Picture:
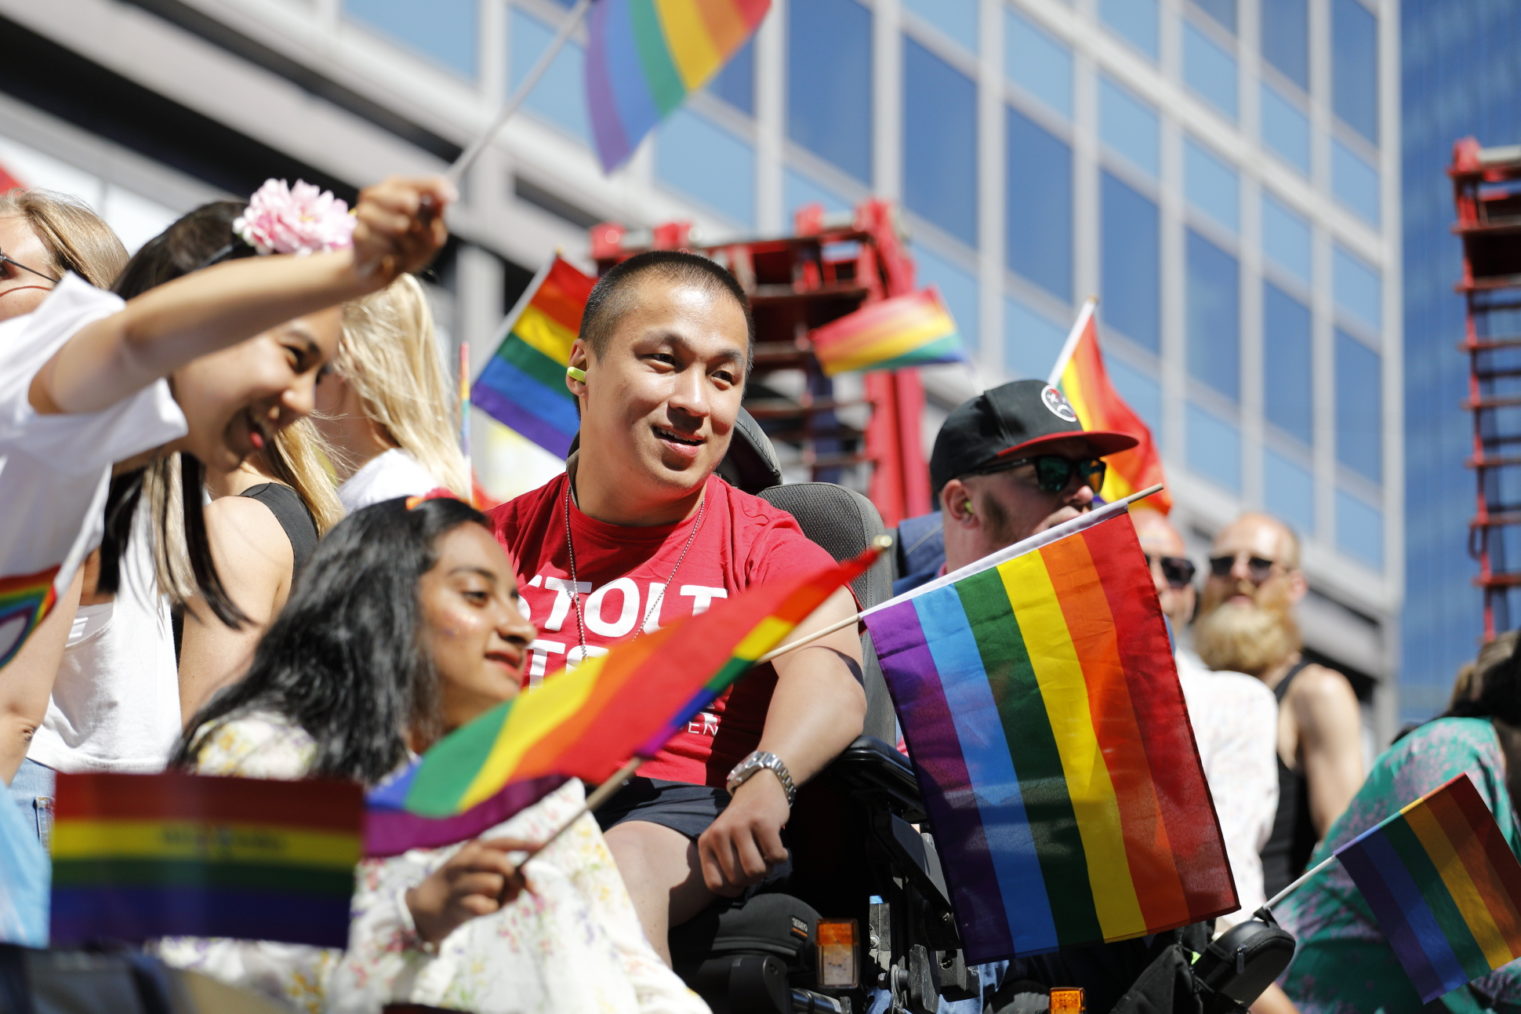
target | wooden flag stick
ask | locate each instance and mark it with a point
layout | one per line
(462, 164)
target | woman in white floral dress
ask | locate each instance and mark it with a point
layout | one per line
(404, 625)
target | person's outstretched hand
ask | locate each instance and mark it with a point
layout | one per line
(400, 225)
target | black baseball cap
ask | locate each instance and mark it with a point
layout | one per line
(1008, 420)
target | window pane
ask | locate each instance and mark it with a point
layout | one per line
(1286, 38)
(560, 96)
(705, 161)
(1129, 127)
(940, 153)
(1354, 182)
(1358, 291)
(956, 18)
(1031, 340)
(1038, 205)
(735, 81)
(1285, 129)
(445, 32)
(1141, 392)
(1354, 72)
(1288, 492)
(1359, 530)
(1131, 263)
(1214, 447)
(1214, 314)
(1209, 71)
(1135, 21)
(1359, 407)
(829, 56)
(1223, 11)
(1285, 238)
(1038, 62)
(800, 189)
(1288, 401)
(958, 288)
(1211, 185)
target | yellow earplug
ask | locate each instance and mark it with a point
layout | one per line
(575, 374)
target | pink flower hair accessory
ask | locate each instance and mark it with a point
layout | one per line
(298, 219)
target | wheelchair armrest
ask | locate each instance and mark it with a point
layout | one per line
(870, 767)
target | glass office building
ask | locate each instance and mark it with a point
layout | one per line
(1460, 78)
(1224, 174)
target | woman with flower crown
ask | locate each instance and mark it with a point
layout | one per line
(100, 397)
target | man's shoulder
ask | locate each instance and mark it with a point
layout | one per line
(1316, 682)
(524, 508)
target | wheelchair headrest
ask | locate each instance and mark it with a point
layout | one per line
(842, 521)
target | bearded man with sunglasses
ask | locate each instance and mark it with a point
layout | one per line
(1246, 623)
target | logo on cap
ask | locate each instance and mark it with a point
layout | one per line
(1058, 404)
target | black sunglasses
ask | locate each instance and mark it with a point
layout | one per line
(7, 259)
(1178, 571)
(1258, 568)
(1053, 472)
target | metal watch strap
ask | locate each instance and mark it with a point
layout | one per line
(758, 761)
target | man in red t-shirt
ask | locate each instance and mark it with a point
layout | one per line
(638, 532)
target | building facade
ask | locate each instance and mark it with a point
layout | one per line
(1224, 174)
(1459, 79)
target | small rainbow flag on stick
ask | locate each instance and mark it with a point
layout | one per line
(523, 386)
(141, 856)
(1042, 709)
(1444, 886)
(587, 721)
(912, 330)
(645, 56)
(1080, 375)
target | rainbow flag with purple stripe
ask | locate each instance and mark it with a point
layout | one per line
(523, 386)
(1042, 709)
(24, 600)
(1444, 886)
(893, 334)
(142, 856)
(645, 56)
(587, 721)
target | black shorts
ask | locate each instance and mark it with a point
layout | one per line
(688, 809)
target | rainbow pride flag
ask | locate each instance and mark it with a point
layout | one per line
(142, 856)
(523, 386)
(1444, 886)
(1041, 706)
(912, 330)
(24, 600)
(587, 721)
(645, 56)
(1080, 375)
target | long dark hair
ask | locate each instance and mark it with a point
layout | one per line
(174, 483)
(1495, 691)
(344, 659)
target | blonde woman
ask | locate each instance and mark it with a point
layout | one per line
(387, 407)
(263, 522)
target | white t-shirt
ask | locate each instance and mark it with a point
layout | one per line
(54, 469)
(116, 701)
(385, 477)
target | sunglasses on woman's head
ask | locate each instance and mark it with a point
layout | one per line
(1177, 571)
(1053, 472)
(7, 259)
(1258, 568)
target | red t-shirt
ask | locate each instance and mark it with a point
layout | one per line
(743, 541)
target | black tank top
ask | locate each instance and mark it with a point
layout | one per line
(1293, 838)
(285, 504)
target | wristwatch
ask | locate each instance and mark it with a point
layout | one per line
(762, 760)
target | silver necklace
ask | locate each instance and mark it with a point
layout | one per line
(655, 600)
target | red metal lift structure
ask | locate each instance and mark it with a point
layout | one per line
(827, 269)
(1487, 193)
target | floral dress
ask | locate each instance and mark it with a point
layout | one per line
(1343, 962)
(572, 942)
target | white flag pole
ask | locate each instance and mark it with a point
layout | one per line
(1070, 345)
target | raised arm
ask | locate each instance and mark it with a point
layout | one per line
(399, 228)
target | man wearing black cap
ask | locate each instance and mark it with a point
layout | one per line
(1013, 461)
